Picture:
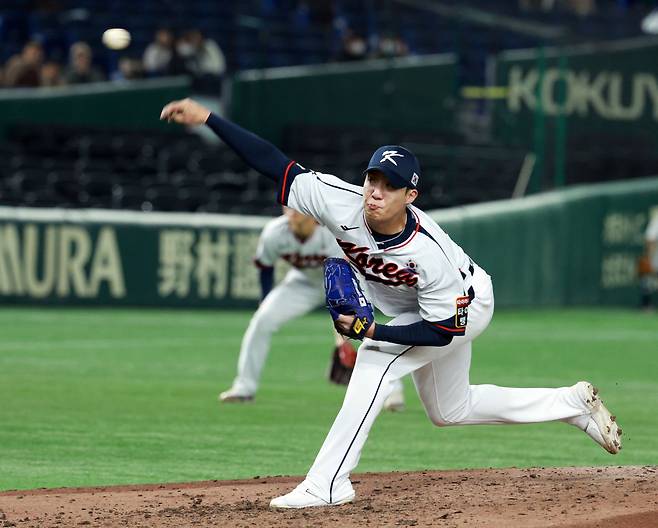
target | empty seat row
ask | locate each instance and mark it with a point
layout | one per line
(152, 171)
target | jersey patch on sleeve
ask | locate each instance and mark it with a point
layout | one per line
(461, 313)
(454, 325)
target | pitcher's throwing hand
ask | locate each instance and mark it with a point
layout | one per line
(185, 112)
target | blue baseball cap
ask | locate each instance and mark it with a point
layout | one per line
(398, 164)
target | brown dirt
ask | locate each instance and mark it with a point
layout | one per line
(619, 497)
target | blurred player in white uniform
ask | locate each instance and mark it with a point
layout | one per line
(441, 300)
(300, 241)
(649, 261)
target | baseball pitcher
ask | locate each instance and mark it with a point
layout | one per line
(439, 298)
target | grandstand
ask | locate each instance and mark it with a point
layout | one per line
(114, 167)
(270, 33)
(125, 169)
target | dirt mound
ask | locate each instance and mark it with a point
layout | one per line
(623, 497)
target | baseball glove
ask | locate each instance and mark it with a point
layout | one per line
(644, 266)
(342, 363)
(344, 297)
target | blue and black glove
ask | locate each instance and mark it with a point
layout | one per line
(345, 297)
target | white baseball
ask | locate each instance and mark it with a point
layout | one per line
(116, 38)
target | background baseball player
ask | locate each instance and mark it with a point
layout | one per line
(300, 241)
(440, 298)
(648, 266)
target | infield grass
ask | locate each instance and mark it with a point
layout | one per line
(109, 396)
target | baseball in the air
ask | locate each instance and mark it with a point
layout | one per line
(116, 38)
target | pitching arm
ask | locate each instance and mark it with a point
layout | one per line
(310, 194)
(259, 154)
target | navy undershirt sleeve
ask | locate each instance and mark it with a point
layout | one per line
(266, 280)
(418, 334)
(259, 154)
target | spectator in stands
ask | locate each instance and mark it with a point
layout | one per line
(392, 46)
(24, 69)
(81, 69)
(159, 55)
(130, 69)
(202, 56)
(354, 47)
(204, 60)
(51, 74)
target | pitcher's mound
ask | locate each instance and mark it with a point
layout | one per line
(607, 497)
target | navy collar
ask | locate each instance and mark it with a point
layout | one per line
(389, 241)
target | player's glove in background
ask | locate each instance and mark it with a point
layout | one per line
(345, 297)
(342, 363)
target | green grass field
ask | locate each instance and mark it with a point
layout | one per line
(93, 397)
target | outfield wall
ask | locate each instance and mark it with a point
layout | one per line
(573, 247)
(608, 87)
(128, 104)
(406, 93)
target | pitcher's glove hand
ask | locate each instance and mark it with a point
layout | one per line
(342, 363)
(344, 297)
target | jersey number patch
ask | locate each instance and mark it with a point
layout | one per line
(461, 314)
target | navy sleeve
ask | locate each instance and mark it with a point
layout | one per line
(266, 281)
(255, 151)
(259, 154)
(421, 333)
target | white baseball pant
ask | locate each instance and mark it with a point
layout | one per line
(295, 296)
(441, 376)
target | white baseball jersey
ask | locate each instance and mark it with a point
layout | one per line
(307, 257)
(420, 270)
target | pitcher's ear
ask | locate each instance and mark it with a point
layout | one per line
(411, 195)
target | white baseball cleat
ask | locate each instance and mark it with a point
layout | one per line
(602, 426)
(234, 396)
(303, 497)
(395, 401)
